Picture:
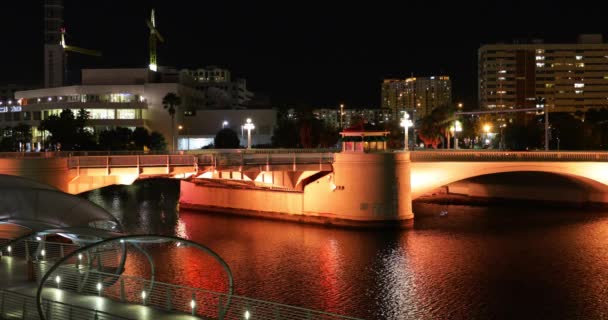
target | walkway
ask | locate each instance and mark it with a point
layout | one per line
(14, 276)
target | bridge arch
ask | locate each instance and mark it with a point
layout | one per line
(428, 176)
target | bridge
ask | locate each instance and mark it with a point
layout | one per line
(322, 185)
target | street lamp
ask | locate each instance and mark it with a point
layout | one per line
(406, 123)
(460, 105)
(341, 115)
(455, 128)
(486, 130)
(224, 124)
(249, 126)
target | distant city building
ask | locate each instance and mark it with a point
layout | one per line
(220, 91)
(113, 98)
(331, 116)
(569, 77)
(417, 95)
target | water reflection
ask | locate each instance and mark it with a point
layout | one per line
(474, 263)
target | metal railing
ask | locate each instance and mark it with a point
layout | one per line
(14, 305)
(174, 298)
(207, 159)
(478, 156)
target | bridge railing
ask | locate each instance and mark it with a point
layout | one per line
(206, 159)
(131, 161)
(14, 305)
(473, 156)
(175, 298)
(245, 159)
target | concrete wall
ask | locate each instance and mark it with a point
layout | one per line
(368, 186)
(51, 171)
(202, 196)
(363, 189)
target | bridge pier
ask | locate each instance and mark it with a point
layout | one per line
(363, 189)
(370, 187)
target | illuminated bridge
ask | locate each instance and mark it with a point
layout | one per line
(353, 186)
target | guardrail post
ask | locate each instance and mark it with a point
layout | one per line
(24, 309)
(27, 251)
(193, 305)
(122, 289)
(219, 308)
(2, 304)
(108, 165)
(320, 162)
(168, 298)
(168, 169)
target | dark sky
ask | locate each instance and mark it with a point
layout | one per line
(318, 53)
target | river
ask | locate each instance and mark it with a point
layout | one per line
(475, 262)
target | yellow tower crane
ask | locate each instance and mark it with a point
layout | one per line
(154, 34)
(67, 47)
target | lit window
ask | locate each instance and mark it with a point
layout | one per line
(502, 71)
(549, 85)
(502, 78)
(125, 114)
(580, 65)
(540, 57)
(579, 57)
(579, 85)
(578, 91)
(540, 64)
(101, 113)
(501, 92)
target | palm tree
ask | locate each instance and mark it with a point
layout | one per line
(170, 102)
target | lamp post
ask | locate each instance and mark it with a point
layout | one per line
(406, 123)
(341, 115)
(486, 130)
(224, 124)
(248, 126)
(456, 127)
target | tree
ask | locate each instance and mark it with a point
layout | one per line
(435, 126)
(226, 139)
(140, 137)
(157, 142)
(68, 130)
(170, 102)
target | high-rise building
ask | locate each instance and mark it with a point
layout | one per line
(54, 55)
(419, 95)
(567, 77)
(220, 91)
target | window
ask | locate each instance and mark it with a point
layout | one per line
(36, 115)
(97, 114)
(125, 114)
(579, 85)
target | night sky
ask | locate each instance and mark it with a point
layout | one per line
(296, 52)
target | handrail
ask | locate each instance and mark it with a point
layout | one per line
(492, 155)
(19, 304)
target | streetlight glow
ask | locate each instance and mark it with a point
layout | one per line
(249, 126)
(406, 123)
(224, 124)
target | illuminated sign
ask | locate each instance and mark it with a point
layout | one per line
(12, 109)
